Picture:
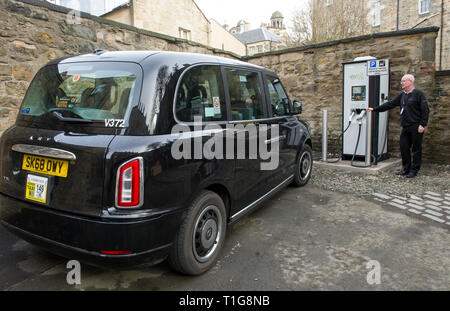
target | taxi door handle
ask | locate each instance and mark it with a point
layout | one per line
(269, 141)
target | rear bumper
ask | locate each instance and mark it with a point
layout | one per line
(83, 238)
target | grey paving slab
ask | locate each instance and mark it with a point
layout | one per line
(415, 206)
(434, 213)
(434, 207)
(433, 203)
(382, 196)
(434, 218)
(433, 193)
(397, 205)
(399, 197)
(416, 202)
(415, 197)
(433, 198)
(398, 201)
(414, 211)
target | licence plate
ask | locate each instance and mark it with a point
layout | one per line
(47, 166)
(36, 189)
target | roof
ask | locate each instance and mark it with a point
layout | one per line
(257, 35)
(117, 8)
(241, 22)
(277, 14)
(141, 56)
(115, 56)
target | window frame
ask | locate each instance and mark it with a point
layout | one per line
(182, 31)
(178, 85)
(228, 97)
(267, 115)
(420, 7)
(266, 90)
(28, 120)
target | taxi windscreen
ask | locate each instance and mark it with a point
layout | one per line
(91, 91)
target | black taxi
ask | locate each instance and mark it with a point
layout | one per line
(121, 158)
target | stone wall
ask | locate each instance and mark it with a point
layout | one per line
(441, 117)
(313, 74)
(33, 32)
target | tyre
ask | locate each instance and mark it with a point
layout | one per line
(201, 235)
(303, 168)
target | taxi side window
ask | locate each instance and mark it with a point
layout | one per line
(201, 95)
(245, 94)
(279, 101)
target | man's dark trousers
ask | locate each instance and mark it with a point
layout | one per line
(411, 136)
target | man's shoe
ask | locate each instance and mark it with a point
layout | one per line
(411, 174)
(402, 172)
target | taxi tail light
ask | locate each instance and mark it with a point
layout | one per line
(130, 184)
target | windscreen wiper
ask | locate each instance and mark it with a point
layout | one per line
(60, 117)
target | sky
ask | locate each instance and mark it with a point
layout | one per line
(253, 11)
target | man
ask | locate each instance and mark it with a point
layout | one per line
(414, 113)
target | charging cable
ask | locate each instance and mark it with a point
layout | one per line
(339, 158)
(372, 157)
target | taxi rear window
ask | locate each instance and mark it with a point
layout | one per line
(91, 91)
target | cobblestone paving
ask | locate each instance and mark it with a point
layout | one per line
(426, 196)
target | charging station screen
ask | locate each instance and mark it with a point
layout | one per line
(359, 93)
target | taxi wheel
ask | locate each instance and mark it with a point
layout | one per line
(201, 235)
(303, 168)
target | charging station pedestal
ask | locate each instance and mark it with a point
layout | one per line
(365, 84)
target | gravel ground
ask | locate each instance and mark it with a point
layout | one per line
(431, 177)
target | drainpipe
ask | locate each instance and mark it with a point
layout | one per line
(132, 16)
(398, 12)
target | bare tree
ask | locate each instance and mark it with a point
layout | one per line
(319, 22)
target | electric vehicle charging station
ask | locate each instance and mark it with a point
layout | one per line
(365, 84)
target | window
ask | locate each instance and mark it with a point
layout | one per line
(278, 98)
(260, 48)
(329, 2)
(185, 34)
(200, 94)
(94, 91)
(424, 6)
(245, 94)
(376, 13)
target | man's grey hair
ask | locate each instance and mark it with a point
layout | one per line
(409, 77)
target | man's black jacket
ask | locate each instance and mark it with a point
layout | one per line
(413, 106)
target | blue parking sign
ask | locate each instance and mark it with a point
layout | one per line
(373, 64)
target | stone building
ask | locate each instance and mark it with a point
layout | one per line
(240, 27)
(393, 15)
(268, 37)
(259, 40)
(177, 18)
(278, 27)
